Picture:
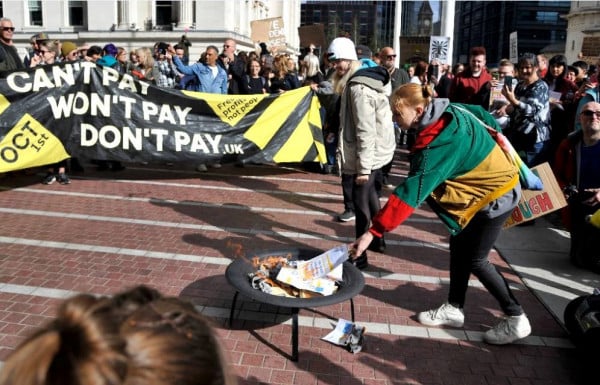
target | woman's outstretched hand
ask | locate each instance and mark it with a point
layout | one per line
(360, 245)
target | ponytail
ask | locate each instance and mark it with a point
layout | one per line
(412, 94)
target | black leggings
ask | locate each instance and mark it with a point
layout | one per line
(469, 252)
(366, 202)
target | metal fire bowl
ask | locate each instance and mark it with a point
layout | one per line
(237, 275)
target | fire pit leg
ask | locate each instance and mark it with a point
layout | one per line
(294, 334)
(233, 307)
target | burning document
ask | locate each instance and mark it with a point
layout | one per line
(291, 276)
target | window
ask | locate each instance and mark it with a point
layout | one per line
(317, 16)
(35, 12)
(163, 13)
(547, 17)
(76, 13)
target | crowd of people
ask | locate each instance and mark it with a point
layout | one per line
(548, 109)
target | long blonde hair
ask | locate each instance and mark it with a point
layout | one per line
(339, 82)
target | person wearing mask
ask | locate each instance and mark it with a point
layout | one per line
(468, 181)
(472, 86)
(9, 57)
(366, 135)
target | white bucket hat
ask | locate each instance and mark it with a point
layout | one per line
(341, 48)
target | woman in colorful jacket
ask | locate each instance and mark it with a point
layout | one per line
(471, 185)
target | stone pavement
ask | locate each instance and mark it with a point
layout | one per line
(172, 228)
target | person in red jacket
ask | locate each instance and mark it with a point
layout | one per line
(472, 86)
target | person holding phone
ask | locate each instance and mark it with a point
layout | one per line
(504, 74)
(529, 112)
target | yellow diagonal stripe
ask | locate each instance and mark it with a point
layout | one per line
(269, 122)
(229, 108)
(4, 104)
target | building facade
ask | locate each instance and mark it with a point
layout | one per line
(138, 23)
(366, 22)
(583, 33)
(539, 24)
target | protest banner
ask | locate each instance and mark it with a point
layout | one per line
(80, 109)
(270, 31)
(534, 204)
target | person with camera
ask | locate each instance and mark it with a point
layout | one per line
(577, 172)
(529, 112)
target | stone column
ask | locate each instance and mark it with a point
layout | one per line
(186, 17)
(397, 31)
(128, 14)
(448, 9)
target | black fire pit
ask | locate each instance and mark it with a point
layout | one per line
(237, 275)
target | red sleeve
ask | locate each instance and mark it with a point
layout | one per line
(390, 216)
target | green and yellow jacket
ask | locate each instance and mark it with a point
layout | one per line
(456, 166)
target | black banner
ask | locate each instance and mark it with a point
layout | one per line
(79, 109)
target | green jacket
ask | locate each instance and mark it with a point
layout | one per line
(456, 166)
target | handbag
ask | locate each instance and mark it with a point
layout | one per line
(527, 178)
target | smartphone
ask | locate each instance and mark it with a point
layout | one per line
(496, 75)
(508, 80)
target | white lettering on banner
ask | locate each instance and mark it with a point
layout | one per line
(39, 79)
(164, 113)
(132, 138)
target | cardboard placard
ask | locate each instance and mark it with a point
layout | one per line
(312, 34)
(534, 204)
(269, 31)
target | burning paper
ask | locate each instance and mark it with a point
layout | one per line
(292, 277)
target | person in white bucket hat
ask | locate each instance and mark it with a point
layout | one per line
(366, 134)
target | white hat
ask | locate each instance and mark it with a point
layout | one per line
(341, 48)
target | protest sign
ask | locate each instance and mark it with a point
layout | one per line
(80, 109)
(534, 204)
(270, 31)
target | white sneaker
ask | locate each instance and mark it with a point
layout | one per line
(510, 329)
(201, 167)
(443, 315)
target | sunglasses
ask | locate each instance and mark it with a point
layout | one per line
(590, 113)
(391, 57)
(226, 46)
(6, 29)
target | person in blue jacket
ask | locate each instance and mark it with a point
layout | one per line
(212, 78)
